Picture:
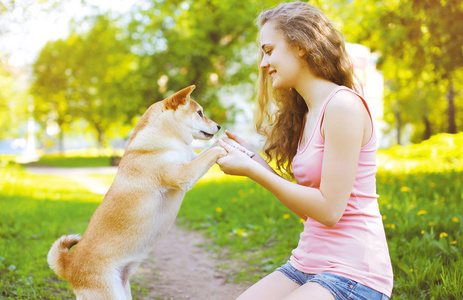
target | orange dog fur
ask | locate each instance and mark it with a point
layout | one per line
(158, 167)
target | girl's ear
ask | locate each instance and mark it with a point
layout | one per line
(302, 52)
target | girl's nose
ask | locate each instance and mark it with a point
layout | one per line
(264, 63)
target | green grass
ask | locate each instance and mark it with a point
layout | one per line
(245, 218)
(35, 210)
(420, 187)
(74, 161)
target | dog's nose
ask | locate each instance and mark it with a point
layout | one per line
(218, 127)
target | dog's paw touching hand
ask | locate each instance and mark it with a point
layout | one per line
(222, 151)
(235, 145)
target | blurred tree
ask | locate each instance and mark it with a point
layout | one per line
(13, 100)
(14, 80)
(85, 77)
(209, 43)
(420, 43)
(51, 87)
(116, 70)
(101, 61)
(442, 29)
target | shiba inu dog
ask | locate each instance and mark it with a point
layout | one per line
(157, 168)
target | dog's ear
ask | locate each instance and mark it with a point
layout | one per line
(179, 98)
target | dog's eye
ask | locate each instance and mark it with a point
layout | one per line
(200, 113)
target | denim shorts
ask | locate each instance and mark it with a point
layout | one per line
(341, 287)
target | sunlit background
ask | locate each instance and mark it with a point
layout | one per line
(77, 74)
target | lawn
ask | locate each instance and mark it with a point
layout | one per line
(34, 211)
(420, 187)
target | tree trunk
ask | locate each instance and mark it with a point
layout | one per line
(452, 126)
(100, 137)
(61, 138)
(399, 126)
(427, 127)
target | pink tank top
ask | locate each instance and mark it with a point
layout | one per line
(356, 246)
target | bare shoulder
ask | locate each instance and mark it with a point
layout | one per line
(345, 115)
(347, 104)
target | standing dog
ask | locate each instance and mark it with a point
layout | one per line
(158, 167)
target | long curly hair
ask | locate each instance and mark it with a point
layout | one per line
(280, 113)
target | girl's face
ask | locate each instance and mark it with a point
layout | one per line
(282, 62)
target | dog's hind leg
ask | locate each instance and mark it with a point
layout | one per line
(128, 292)
(107, 287)
(105, 293)
(118, 287)
(125, 278)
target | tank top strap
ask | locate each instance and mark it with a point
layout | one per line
(321, 115)
(344, 88)
(319, 120)
(341, 88)
(336, 90)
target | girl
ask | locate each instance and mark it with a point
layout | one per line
(322, 134)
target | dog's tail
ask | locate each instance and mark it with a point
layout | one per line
(57, 255)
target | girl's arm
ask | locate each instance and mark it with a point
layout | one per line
(343, 128)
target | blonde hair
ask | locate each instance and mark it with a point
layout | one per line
(304, 26)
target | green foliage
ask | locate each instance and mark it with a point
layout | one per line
(109, 74)
(112, 73)
(211, 44)
(86, 77)
(421, 58)
(13, 101)
(442, 152)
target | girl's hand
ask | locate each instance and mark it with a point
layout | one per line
(257, 158)
(235, 162)
(239, 140)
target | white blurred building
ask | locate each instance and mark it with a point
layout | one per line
(372, 84)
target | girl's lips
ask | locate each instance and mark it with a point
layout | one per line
(271, 73)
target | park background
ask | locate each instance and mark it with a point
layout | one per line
(75, 76)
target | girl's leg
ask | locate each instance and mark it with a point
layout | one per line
(274, 286)
(312, 291)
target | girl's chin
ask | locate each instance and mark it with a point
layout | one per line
(277, 86)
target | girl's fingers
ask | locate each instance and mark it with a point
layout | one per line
(237, 139)
(226, 146)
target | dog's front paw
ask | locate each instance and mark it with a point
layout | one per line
(221, 152)
(236, 145)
